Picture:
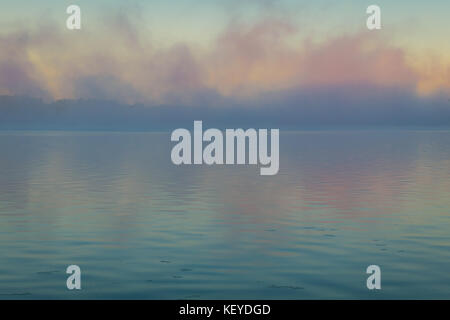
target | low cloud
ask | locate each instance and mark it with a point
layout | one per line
(245, 62)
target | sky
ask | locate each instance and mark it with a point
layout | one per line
(220, 53)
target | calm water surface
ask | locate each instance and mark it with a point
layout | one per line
(141, 228)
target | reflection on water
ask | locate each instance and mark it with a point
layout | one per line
(140, 227)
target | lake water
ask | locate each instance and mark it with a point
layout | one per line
(141, 228)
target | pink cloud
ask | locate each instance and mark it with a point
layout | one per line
(245, 60)
(356, 59)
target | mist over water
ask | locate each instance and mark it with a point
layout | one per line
(140, 227)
